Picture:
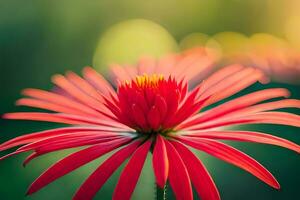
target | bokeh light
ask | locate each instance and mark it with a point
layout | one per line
(126, 42)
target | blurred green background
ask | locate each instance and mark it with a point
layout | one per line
(41, 38)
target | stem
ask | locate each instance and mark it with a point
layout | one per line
(161, 193)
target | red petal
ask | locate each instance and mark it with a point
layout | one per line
(33, 137)
(154, 118)
(286, 103)
(98, 81)
(160, 162)
(200, 177)
(161, 105)
(30, 158)
(131, 173)
(275, 118)
(281, 118)
(172, 103)
(247, 136)
(60, 142)
(187, 112)
(233, 156)
(139, 116)
(60, 100)
(185, 106)
(74, 91)
(146, 65)
(73, 162)
(70, 88)
(247, 100)
(10, 154)
(182, 64)
(120, 74)
(223, 85)
(69, 137)
(83, 85)
(67, 144)
(219, 76)
(97, 179)
(200, 69)
(51, 144)
(178, 175)
(49, 106)
(235, 84)
(61, 118)
(237, 104)
(89, 91)
(132, 71)
(166, 64)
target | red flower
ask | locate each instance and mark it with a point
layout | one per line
(153, 109)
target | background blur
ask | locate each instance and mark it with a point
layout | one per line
(41, 38)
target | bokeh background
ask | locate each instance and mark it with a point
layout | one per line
(41, 38)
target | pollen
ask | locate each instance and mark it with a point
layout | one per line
(148, 80)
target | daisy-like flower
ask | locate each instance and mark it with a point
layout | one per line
(153, 110)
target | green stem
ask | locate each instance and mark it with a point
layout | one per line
(161, 193)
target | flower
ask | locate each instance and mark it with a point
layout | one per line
(153, 109)
(275, 56)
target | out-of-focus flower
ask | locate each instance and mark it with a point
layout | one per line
(153, 109)
(275, 56)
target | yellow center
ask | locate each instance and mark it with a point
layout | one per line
(146, 81)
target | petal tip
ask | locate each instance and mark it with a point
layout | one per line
(5, 116)
(56, 77)
(29, 192)
(87, 69)
(276, 186)
(25, 91)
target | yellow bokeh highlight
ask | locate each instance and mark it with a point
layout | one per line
(233, 45)
(126, 42)
(194, 40)
(292, 30)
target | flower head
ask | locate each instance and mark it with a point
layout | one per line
(153, 110)
(146, 103)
